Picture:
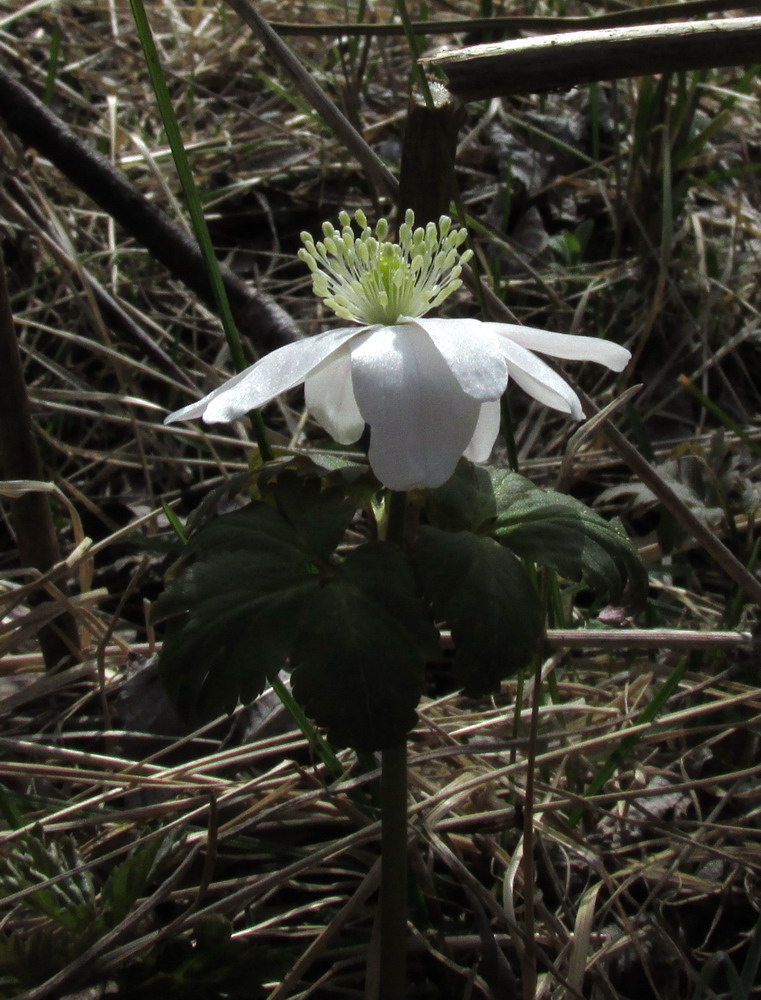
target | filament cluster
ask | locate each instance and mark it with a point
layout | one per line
(370, 280)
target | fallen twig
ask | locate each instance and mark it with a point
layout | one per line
(260, 316)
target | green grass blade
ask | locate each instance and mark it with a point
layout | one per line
(309, 732)
(8, 810)
(194, 204)
(177, 526)
(50, 77)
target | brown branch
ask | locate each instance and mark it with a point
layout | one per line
(427, 167)
(30, 514)
(558, 62)
(267, 324)
(647, 638)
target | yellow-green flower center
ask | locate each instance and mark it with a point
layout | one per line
(372, 281)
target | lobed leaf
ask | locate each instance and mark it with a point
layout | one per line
(318, 517)
(484, 593)
(232, 607)
(263, 586)
(358, 666)
(551, 529)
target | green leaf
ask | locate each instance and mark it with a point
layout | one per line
(551, 529)
(323, 460)
(35, 861)
(318, 517)
(559, 531)
(358, 664)
(130, 879)
(466, 501)
(486, 597)
(263, 585)
(231, 610)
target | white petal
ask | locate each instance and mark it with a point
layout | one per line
(193, 410)
(420, 419)
(330, 398)
(487, 428)
(540, 381)
(275, 373)
(565, 345)
(473, 353)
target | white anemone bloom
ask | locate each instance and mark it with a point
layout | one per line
(429, 389)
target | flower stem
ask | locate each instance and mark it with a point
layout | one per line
(395, 527)
(393, 896)
(393, 900)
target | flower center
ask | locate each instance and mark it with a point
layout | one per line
(372, 281)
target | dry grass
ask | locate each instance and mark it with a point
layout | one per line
(646, 802)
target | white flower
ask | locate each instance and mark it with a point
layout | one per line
(428, 388)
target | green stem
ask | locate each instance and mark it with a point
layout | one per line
(393, 897)
(393, 900)
(395, 527)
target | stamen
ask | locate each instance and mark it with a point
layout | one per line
(372, 281)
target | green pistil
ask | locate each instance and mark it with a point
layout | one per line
(370, 280)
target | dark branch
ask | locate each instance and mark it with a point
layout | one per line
(266, 323)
